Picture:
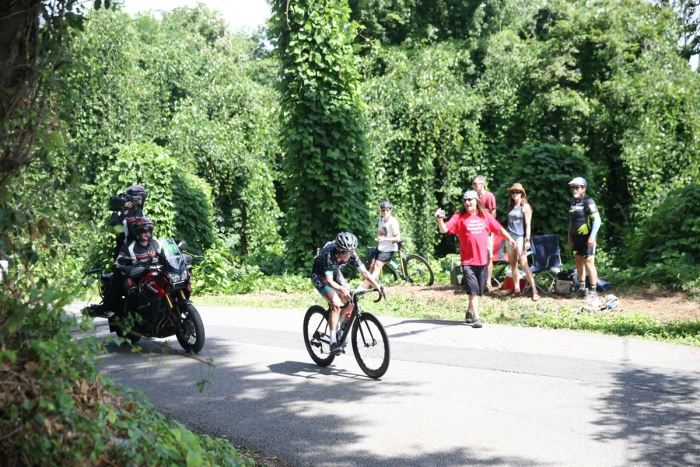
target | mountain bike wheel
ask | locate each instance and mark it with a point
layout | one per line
(370, 345)
(317, 336)
(388, 276)
(419, 271)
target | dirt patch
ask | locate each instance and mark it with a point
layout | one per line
(663, 305)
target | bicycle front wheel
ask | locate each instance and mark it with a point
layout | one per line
(418, 270)
(317, 336)
(370, 345)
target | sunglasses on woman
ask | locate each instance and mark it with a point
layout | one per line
(516, 192)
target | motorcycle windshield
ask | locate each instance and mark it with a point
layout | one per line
(175, 263)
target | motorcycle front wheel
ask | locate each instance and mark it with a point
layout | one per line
(189, 328)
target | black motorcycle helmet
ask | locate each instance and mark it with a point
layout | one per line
(142, 225)
(136, 191)
(346, 241)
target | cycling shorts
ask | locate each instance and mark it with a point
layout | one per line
(321, 283)
(581, 247)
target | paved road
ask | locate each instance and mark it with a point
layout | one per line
(453, 395)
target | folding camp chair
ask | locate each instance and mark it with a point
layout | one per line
(499, 259)
(547, 260)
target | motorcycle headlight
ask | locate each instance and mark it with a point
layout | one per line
(175, 278)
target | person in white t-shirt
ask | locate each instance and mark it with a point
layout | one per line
(388, 236)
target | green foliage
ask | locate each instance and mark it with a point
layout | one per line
(325, 163)
(179, 204)
(544, 171)
(426, 145)
(221, 272)
(58, 410)
(190, 87)
(670, 234)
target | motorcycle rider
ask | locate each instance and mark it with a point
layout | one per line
(142, 250)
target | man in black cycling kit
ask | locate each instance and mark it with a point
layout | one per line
(584, 222)
(330, 283)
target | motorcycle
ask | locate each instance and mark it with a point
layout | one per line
(164, 307)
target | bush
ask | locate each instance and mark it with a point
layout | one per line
(56, 409)
(670, 234)
(179, 203)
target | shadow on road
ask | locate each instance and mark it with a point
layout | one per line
(658, 415)
(304, 421)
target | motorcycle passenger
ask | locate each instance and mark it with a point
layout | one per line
(137, 194)
(118, 225)
(122, 221)
(328, 279)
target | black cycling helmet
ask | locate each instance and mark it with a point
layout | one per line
(385, 205)
(137, 190)
(346, 241)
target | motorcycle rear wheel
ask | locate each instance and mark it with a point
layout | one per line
(121, 332)
(189, 329)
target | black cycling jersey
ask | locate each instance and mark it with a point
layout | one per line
(327, 261)
(581, 215)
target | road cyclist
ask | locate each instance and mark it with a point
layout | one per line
(329, 281)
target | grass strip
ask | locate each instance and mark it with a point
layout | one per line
(516, 313)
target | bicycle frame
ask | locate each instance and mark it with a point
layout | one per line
(355, 315)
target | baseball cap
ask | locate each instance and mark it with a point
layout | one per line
(470, 194)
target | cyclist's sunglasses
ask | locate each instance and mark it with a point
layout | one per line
(344, 252)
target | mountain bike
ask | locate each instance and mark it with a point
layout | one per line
(413, 269)
(370, 343)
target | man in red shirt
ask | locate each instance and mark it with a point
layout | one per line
(472, 224)
(488, 201)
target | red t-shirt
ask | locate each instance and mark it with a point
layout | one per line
(488, 200)
(473, 232)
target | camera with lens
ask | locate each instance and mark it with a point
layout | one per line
(117, 203)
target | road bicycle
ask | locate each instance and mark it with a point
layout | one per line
(370, 343)
(413, 269)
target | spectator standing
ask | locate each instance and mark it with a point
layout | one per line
(472, 225)
(488, 201)
(519, 227)
(584, 222)
(388, 237)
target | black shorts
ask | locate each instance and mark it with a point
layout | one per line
(581, 247)
(383, 256)
(474, 279)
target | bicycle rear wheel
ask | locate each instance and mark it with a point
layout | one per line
(317, 336)
(419, 271)
(370, 345)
